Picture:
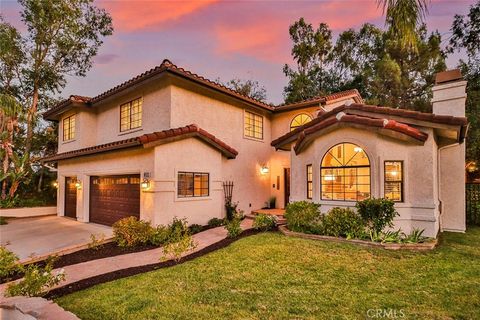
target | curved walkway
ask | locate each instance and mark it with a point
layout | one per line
(89, 269)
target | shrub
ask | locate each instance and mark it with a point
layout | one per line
(302, 215)
(377, 213)
(159, 235)
(233, 227)
(96, 243)
(216, 222)
(231, 209)
(179, 240)
(130, 232)
(264, 222)
(416, 236)
(342, 222)
(195, 228)
(37, 281)
(8, 263)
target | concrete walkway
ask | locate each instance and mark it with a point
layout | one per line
(97, 267)
(38, 237)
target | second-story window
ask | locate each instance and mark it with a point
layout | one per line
(69, 128)
(253, 125)
(131, 115)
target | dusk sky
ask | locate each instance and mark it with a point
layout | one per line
(221, 39)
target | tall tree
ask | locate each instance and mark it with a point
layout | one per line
(62, 38)
(249, 88)
(466, 37)
(403, 17)
(310, 50)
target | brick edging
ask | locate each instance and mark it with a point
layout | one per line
(388, 246)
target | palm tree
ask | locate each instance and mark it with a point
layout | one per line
(403, 17)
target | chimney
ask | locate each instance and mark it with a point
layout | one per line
(449, 93)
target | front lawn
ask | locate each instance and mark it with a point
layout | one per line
(270, 276)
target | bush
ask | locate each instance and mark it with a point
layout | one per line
(416, 236)
(179, 240)
(233, 227)
(343, 222)
(377, 213)
(231, 209)
(215, 222)
(264, 222)
(8, 263)
(37, 281)
(96, 243)
(130, 232)
(302, 215)
(195, 228)
(159, 235)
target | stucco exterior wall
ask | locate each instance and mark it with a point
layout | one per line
(420, 206)
(133, 161)
(190, 155)
(226, 121)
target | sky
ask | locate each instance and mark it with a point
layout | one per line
(222, 39)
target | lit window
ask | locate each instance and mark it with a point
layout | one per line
(69, 128)
(253, 125)
(309, 182)
(394, 180)
(193, 184)
(299, 121)
(345, 173)
(131, 115)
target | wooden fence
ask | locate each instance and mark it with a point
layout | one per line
(473, 203)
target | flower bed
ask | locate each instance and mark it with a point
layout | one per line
(389, 246)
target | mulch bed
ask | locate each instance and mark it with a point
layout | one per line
(87, 283)
(109, 249)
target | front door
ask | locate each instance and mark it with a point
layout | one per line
(286, 176)
(70, 198)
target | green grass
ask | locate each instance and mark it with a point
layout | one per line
(270, 276)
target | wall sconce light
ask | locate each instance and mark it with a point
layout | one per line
(78, 184)
(264, 170)
(55, 184)
(145, 184)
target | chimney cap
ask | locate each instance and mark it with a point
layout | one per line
(448, 76)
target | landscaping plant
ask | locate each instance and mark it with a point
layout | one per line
(159, 235)
(416, 236)
(96, 243)
(342, 222)
(3, 221)
(231, 209)
(179, 240)
(195, 228)
(377, 213)
(37, 280)
(264, 222)
(8, 263)
(301, 216)
(233, 227)
(130, 232)
(216, 222)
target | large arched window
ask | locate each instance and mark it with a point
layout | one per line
(299, 121)
(345, 173)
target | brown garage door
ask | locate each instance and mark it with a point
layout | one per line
(114, 197)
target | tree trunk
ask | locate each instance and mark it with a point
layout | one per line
(32, 112)
(40, 181)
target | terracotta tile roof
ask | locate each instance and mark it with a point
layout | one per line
(191, 130)
(166, 66)
(375, 112)
(150, 140)
(321, 100)
(342, 119)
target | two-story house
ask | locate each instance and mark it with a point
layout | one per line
(163, 143)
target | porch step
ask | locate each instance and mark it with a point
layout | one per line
(280, 219)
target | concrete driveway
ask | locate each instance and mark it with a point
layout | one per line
(41, 236)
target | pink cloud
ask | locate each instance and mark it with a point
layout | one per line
(138, 15)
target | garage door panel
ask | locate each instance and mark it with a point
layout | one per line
(114, 197)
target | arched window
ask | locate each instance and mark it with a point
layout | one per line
(345, 173)
(299, 121)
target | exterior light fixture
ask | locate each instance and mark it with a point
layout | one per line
(78, 184)
(55, 184)
(145, 184)
(264, 170)
(357, 149)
